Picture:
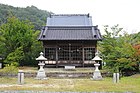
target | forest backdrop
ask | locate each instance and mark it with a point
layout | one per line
(19, 29)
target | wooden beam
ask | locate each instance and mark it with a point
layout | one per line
(83, 54)
(56, 56)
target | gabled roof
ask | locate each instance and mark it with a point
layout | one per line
(70, 27)
(69, 20)
(70, 33)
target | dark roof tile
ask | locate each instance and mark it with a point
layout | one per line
(70, 27)
(70, 33)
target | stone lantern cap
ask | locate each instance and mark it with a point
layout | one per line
(41, 57)
(96, 58)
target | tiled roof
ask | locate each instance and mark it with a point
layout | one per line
(70, 27)
(70, 33)
(69, 20)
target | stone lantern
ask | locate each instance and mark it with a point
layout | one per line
(97, 73)
(41, 72)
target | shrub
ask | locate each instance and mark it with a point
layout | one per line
(9, 69)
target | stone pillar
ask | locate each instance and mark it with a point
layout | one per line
(20, 77)
(0, 65)
(97, 74)
(116, 77)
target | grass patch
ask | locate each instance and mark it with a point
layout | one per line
(9, 69)
(131, 83)
(28, 69)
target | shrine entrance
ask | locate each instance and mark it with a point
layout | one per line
(63, 53)
(71, 54)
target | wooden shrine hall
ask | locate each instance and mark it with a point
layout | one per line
(69, 39)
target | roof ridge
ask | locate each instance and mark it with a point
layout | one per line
(77, 26)
(70, 15)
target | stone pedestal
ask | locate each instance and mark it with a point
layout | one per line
(41, 72)
(97, 74)
(116, 77)
(0, 65)
(20, 77)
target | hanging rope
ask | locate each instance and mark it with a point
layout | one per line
(70, 50)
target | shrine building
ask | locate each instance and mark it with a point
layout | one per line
(69, 39)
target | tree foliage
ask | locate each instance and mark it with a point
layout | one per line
(18, 40)
(35, 15)
(15, 57)
(118, 50)
(19, 36)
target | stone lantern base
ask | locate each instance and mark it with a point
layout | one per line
(41, 75)
(97, 73)
(41, 72)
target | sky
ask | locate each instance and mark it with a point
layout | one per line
(126, 13)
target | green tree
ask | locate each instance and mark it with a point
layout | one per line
(117, 50)
(17, 41)
(15, 57)
(32, 13)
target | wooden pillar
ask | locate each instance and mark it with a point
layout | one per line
(44, 51)
(70, 54)
(56, 56)
(95, 47)
(83, 55)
